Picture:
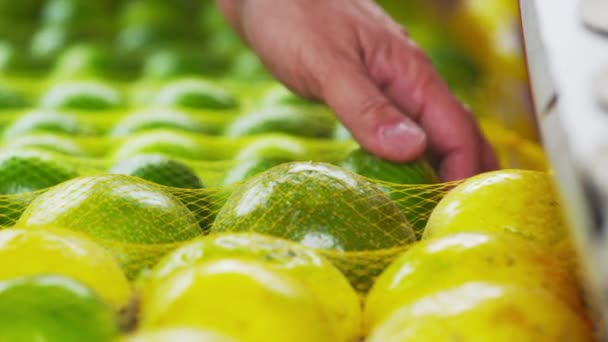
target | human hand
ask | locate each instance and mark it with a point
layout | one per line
(354, 57)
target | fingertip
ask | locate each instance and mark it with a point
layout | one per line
(401, 141)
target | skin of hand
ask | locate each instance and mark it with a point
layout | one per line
(354, 57)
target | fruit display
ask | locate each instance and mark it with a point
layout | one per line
(156, 184)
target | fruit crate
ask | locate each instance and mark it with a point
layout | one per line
(156, 184)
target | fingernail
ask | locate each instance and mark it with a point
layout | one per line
(403, 134)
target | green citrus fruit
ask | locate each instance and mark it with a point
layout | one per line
(50, 142)
(83, 60)
(249, 300)
(279, 95)
(320, 206)
(49, 122)
(165, 171)
(308, 121)
(87, 95)
(166, 142)
(416, 203)
(134, 219)
(11, 98)
(25, 171)
(195, 93)
(273, 147)
(246, 169)
(154, 119)
(52, 250)
(53, 308)
(332, 290)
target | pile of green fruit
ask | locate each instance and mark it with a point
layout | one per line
(157, 185)
(291, 256)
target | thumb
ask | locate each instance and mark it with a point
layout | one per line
(373, 120)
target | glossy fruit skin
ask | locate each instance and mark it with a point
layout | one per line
(327, 284)
(307, 121)
(155, 119)
(165, 142)
(53, 308)
(30, 170)
(273, 147)
(83, 95)
(318, 205)
(178, 334)
(195, 94)
(249, 168)
(244, 298)
(323, 207)
(162, 170)
(136, 220)
(416, 203)
(159, 169)
(25, 171)
(51, 250)
(49, 122)
(452, 260)
(481, 311)
(523, 202)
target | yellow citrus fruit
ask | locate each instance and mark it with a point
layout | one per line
(25, 252)
(247, 299)
(460, 258)
(524, 202)
(180, 334)
(481, 312)
(330, 287)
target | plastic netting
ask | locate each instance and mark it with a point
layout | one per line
(360, 224)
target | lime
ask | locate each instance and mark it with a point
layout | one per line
(307, 121)
(247, 299)
(134, 219)
(52, 250)
(273, 147)
(87, 95)
(11, 98)
(249, 168)
(46, 142)
(176, 61)
(415, 202)
(25, 171)
(280, 95)
(30, 170)
(159, 169)
(195, 93)
(332, 290)
(165, 142)
(480, 311)
(156, 118)
(47, 121)
(318, 205)
(163, 170)
(53, 308)
(83, 60)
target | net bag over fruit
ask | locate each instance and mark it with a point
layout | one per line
(353, 219)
